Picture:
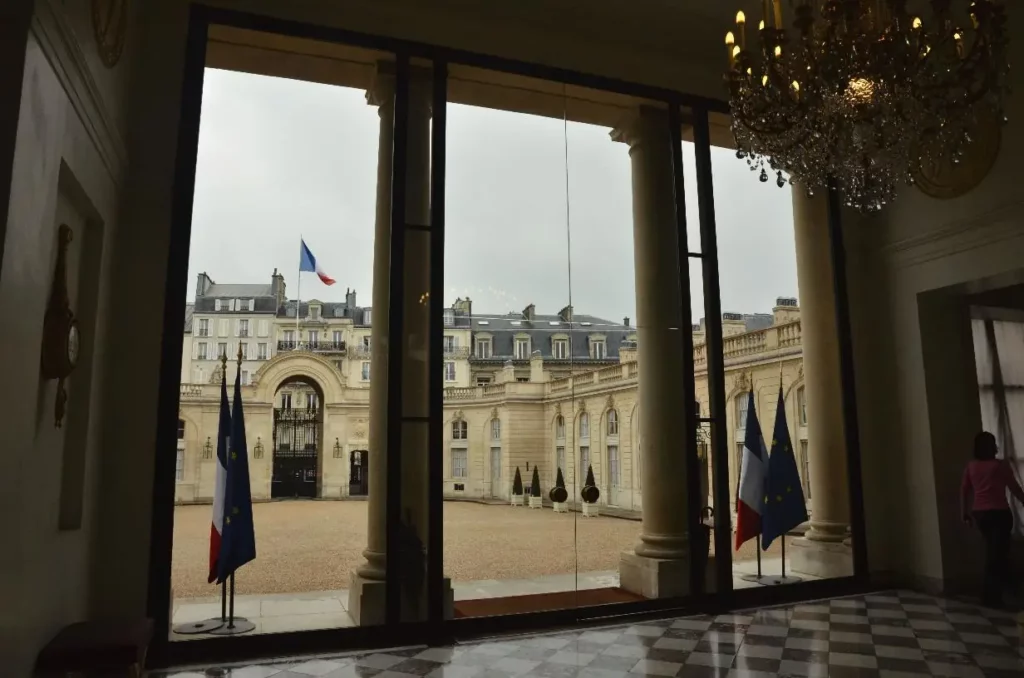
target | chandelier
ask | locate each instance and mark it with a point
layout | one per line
(863, 91)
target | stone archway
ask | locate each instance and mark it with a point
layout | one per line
(297, 441)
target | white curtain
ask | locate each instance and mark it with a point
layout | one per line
(999, 357)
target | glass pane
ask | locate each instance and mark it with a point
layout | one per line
(276, 153)
(509, 534)
(772, 256)
(626, 297)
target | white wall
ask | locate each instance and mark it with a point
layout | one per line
(915, 430)
(66, 170)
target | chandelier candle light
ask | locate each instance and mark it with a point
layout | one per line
(863, 91)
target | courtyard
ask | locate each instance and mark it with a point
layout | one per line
(307, 546)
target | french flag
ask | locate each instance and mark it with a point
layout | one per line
(307, 262)
(220, 481)
(750, 500)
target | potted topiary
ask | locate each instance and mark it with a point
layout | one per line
(559, 495)
(590, 494)
(536, 501)
(517, 489)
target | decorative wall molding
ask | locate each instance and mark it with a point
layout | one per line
(981, 230)
(57, 39)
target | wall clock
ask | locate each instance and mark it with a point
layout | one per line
(945, 180)
(109, 26)
(61, 342)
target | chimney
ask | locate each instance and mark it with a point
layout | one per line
(627, 352)
(566, 314)
(529, 312)
(463, 307)
(786, 311)
(537, 373)
(203, 285)
(507, 374)
(733, 323)
(625, 321)
(277, 289)
(350, 300)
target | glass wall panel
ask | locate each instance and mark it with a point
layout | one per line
(510, 421)
(781, 375)
(282, 293)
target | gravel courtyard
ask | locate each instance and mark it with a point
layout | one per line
(314, 545)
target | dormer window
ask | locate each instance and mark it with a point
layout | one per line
(449, 317)
(366, 317)
(598, 348)
(314, 312)
(560, 347)
(522, 348)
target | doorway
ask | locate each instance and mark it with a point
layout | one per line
(358, 473)
(296, 452)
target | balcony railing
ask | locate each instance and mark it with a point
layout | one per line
(312, 346)
(456, 353)
(191, 391)
(360, 353)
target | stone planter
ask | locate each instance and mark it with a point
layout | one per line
(560, 506)
(517, 500)
(536, 502)
(590, 510)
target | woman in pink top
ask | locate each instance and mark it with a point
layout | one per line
(983, 500)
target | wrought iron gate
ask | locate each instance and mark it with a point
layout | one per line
(296, 451)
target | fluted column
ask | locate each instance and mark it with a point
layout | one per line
(821, 552)
(659, 564)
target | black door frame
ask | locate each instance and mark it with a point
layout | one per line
(435, 628)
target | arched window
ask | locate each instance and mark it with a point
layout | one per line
(495, 429)
(584, 425)
(613, 423)
(460, 431)
(801, 404)
(560, 427)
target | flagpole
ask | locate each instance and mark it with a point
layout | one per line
(298, 295)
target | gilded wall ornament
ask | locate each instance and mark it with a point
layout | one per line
(944, 179)
(110, 27)
(61, 341)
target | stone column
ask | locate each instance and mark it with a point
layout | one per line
(822, 551)
(366, 591)
(659, 565)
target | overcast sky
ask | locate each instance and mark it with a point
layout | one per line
(279, 158)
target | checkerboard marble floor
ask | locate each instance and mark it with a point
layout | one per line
(896, 634)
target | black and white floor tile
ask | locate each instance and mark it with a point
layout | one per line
(893, 635)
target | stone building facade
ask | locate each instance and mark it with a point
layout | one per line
(521, 390)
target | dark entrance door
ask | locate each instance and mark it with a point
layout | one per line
(296, 445)
(358, 477)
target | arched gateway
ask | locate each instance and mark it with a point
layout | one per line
(300, 385)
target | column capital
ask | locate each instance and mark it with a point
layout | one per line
(640, 124)
(381, 91)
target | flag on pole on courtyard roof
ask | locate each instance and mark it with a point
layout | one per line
(238, 542)
(784, 503)
(220, 481)
(750, 497)
(307, 262)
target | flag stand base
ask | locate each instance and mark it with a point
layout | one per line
(233, 628)
(752, 577)
(192, 628)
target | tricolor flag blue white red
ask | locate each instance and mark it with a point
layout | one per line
(238, 545)
(784, 503)
(750, 497)
(220, 481)
(307, 262)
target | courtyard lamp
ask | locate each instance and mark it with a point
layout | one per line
(257, 450)
(208, 449)
(337, 449)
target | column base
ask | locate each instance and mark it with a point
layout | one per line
(367, 600)
(654, 577)
(822, 559)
